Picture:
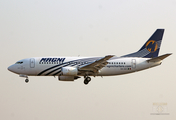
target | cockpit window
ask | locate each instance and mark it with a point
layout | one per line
(19, 62)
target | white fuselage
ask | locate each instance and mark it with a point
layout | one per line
(72, 68)
(51, 66)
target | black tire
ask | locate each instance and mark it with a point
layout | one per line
(86, 82)
(26, 80)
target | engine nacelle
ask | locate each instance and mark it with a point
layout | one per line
(70, 71)
(66, 78)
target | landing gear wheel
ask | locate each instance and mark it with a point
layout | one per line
(26, 80)
(87, 80)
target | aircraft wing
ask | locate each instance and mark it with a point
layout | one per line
(97, 65)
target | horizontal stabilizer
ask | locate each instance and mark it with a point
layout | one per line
(159, 58)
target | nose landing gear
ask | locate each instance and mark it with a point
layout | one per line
(26, 80)
(87, 80)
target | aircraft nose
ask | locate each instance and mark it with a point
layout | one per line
(11, 68)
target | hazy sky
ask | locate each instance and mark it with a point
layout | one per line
(34, 28)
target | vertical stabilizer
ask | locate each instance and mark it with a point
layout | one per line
(151, 48)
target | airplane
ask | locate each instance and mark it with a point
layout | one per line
(73, 68)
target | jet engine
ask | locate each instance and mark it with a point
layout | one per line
(69, 71)
(66, 78)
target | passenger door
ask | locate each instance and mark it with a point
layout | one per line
(32, 62)
(133, 63)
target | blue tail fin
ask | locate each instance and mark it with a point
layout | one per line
(151, 48)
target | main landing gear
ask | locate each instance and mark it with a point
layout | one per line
(87, 80)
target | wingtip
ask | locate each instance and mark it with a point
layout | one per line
(110, 55)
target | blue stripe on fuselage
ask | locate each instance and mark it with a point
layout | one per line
(79, 60)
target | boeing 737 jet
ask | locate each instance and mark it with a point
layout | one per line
(72, 68)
